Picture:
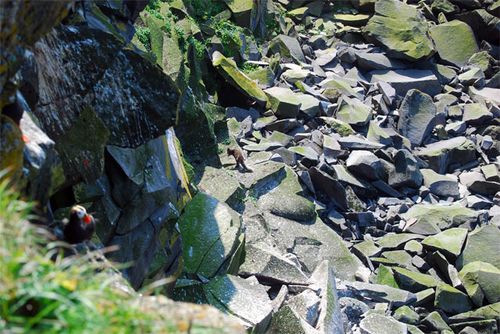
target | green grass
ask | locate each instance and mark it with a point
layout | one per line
(43, 292)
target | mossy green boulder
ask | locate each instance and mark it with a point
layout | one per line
(211, 233)
(454, 41)
(431, 218)
(414, 281)
(449, 242)
(353, 111)
(241, 10)
(481, 280)
(284, 102)
(401, 28)
(228, 69)
(482, 245)
(451, 300)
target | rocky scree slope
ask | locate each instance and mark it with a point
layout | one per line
(372, 131)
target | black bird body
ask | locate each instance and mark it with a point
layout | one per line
(80, 227)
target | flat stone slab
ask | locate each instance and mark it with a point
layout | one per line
(375, 323)
(429, 219)
(284, 102)
(268, 264)
(448, 242)
(454, 41)
(382, 293)
(404, 80)
(228, 69)
(243, 298)
(416, 116)
(211, 231)
(482, 245)
(210, 183)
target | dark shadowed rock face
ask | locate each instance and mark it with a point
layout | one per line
(24, 23)
(93, 92)
(80, 67)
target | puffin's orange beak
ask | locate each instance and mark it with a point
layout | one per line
(87, 219)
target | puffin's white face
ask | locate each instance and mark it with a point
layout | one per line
(80, 211)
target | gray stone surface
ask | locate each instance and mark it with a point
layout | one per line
(416, 116)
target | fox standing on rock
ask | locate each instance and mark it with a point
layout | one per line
(240, 159)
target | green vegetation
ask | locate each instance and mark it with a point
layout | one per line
(43, 292)
(202, 10)
(249, 68)
(229, 35)
(144, 36)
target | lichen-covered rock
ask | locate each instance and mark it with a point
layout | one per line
(375, 323)
(212, 233)
(242, 11)
(481, 280)
(149, 189)
(245, 299)
(441, 185)
(269, 265)
(329, 318)
(284, 102)
(353, 111)
(401, 28)
(232, 192)
(429, 219)
(406, 79)
(451, 300)
(448, 242)
(287, 46)
(445, 155)
(481, 242)
(414, 281)
(454, 41)
(228, 69)
(382, 293)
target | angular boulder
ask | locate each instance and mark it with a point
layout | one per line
(212, 234)
(284, 102)
(228, 69)
(244, 299)
(455, 42)
(287, 46)
(404, 80)
(416, 116)
(481, 280)
(401, 28)
(448, 242)
(482, 245)
(429, 219)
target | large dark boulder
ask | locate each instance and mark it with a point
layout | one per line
(94, 90)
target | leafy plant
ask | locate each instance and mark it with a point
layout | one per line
(202, 10)
(144, 36)
(229, 35)
(249, 67)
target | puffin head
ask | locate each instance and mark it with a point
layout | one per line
(81, 214)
